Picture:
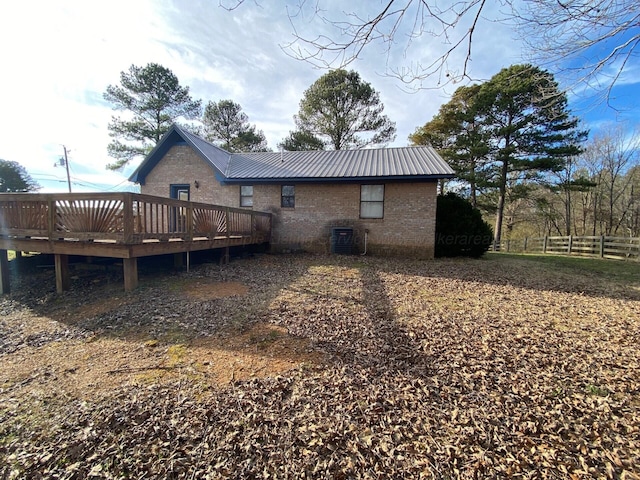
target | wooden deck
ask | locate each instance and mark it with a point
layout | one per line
(119, 225)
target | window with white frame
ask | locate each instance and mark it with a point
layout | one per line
(371, 201)
(246, 195)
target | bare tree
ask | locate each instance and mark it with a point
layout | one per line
(589, 44)
(632, 223)
(591, 41)
(612, 155)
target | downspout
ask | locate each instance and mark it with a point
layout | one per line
(366, 235)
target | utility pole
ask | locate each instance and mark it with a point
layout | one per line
(66, 164)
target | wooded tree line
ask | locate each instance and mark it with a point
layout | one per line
(596, 193)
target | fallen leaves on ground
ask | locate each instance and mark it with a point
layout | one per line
(446, 369)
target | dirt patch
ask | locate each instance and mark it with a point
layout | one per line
(74, 353)
(200, 290)
(97, 367)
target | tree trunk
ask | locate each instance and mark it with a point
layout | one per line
(501, 200)
(595, 214)
(474, 198)
(567, 212)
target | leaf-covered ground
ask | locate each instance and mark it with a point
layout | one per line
(325, 367)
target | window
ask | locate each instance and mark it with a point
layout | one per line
(246, 195)
(371, 201)
(288, 196)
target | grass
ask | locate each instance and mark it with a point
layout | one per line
(596, 390)
(619, 271)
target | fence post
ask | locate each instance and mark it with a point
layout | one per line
(508, 245)
(127, 218)
(524, 247)
(601, 246)
(190, 223)
(51, 220)
(570, 243)
(544, 244)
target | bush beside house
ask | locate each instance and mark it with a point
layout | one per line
(460, 229)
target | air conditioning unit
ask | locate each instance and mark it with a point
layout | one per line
(342, 240)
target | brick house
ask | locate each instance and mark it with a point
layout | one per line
(384, 200)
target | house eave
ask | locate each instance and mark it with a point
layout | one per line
(327, 180)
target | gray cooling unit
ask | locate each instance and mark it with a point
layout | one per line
(342, 240)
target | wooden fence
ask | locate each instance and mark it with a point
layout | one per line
(592, 246)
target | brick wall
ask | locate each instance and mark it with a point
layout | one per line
(181, 165)
(407, 229)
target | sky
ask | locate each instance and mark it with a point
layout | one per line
(59, 57)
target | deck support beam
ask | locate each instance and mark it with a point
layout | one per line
(63, 278)
(4, 272)
(130, 267)
(178, 260)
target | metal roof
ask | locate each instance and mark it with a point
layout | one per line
(339, 164)
(399, 163)
(217, 156)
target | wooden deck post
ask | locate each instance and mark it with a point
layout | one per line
(130, 267)
(4, 272)
(127, 218)
(63, 279)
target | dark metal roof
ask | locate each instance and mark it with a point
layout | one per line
(401, 163)
(379, 162)
(217, 156)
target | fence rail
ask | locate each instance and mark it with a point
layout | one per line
(593, 246)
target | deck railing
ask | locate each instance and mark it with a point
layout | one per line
(127, 218)
(594, 246)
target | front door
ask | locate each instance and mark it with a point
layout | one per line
(178, 221)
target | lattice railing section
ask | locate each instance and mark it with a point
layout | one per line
(152, 217)
(24, 216)
(239, 223)
(209, 222)
(89, 216)
(261, 224)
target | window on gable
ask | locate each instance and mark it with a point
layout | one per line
(246, 195)
(288, 196)
(371, 201)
